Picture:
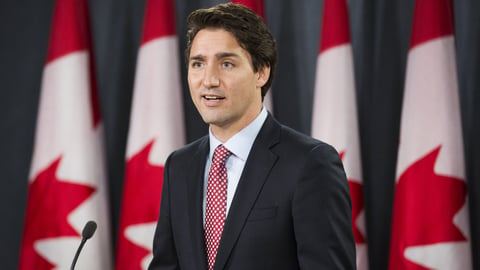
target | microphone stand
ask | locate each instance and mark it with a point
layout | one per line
(87, 233)
(84, 240)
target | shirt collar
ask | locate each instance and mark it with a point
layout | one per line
(241, 143)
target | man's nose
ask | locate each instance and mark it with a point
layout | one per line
(210, 78)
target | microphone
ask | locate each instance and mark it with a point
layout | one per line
(87, 233)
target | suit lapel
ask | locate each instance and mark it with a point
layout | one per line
(256, 170)
(195, 201)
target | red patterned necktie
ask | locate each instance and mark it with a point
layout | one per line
(216, 203)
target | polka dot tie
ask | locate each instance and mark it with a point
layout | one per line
(216, 203)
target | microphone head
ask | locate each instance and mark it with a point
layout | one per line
(89, 229)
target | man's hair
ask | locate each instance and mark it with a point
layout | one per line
(245, 25)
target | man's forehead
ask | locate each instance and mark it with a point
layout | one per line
(219, 35)
(216, 42)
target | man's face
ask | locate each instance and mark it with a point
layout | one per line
(223, 85)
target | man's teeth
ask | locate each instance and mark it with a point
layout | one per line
(212, 97)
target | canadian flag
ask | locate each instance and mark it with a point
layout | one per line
(259, 7)
(334, 118)
(430, 216)
(67, 185)
(156, 129)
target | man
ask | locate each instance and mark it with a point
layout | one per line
(253, 194)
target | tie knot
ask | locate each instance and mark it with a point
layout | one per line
(221, 154)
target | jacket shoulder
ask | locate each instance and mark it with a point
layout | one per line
(189, 150)
(300, 142)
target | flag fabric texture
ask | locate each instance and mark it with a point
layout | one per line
(334, 118)
(67, 182)
(156, 129)
(259, 7)
(430, 227)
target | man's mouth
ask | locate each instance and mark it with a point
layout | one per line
(213, 97)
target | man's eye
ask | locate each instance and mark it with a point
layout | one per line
(196, 64)
(227, 64)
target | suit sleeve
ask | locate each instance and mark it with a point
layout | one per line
(321, 212)
(164, 253)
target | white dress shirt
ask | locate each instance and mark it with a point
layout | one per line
(240, 145)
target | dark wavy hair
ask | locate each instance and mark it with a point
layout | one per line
(245, 25)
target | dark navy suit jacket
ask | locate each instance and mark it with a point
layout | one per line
(291, 209)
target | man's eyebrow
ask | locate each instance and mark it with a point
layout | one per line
(197, 57)
(220, 55)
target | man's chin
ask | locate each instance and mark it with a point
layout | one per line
(214, 118)
(220, 122)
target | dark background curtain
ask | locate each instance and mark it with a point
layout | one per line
(380, 36)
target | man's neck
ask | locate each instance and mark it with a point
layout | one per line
(224, 132)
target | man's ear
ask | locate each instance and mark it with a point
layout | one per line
(263, 75)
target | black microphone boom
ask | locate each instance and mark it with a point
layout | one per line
(89, 229)
(87, 233)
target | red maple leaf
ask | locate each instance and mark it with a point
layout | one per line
(424, 207)
(356, 193)
(50, 201)
(141, 204)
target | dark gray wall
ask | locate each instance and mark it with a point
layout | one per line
(380, 37)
